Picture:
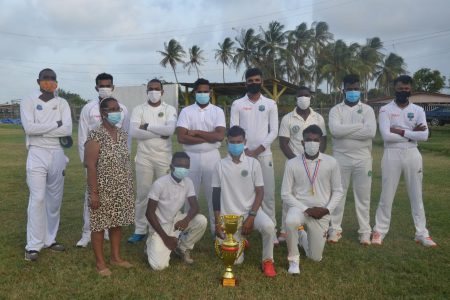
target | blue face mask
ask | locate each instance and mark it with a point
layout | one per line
(114, 117)
(352, 96)
(202, 98)
(180, 172)
(235, 149)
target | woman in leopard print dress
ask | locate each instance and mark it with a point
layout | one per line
(110, 184)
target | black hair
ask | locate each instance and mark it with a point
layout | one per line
(180, 155)
(303, 88)
(44, 70)
(236, 131)
(406, 79)
(351, 79)
(156, 80)
(253, 72)
(314, 129)
(103, 76)
(200, 81)
(104, 102)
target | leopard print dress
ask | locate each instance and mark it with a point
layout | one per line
(115, 181)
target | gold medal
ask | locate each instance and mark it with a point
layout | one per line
(312, 191)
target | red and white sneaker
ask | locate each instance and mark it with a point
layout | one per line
(334, 236)
(269, 268)
(425, 241)
(377, 238)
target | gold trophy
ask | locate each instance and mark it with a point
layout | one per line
(230, 249)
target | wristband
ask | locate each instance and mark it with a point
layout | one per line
(252, 213)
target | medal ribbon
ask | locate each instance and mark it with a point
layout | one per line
(316, 171)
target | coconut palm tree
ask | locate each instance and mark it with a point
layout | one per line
(225, 54)
(272, 43)
(370, 57)
(195, 59)
(391, 67)
(245, 51)
(173, 53)
(319, 39)
(298, 51)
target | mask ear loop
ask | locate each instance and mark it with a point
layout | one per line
(100, 104)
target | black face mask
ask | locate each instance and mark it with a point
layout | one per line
(402, 97)
(254, 88)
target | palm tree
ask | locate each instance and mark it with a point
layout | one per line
(225, 54)
(195, 59)
(392, 66)
(273, 43)
(319, 39)
(173, 53)
(370, 57)
(297, 53)
(245, 52)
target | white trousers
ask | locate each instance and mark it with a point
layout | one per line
(316, 230)
(45, 179)
(159, 255)
(201, 172)
(360, 171)
(144, 180)
(394, 163)
(268, 204)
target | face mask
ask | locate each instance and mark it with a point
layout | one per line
(104, 92)
(49, 86)
(402, 97)
(311, 148)
(352, 96)
(235, 149)
(202, 98)
(254, 88)
(114, 117)
(154, 96)
(303, 102)
(180, 173)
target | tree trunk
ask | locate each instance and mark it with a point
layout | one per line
(223, 72)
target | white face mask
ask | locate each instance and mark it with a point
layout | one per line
(303, 102)
(154, 96)
(104, 92)
(311, 148)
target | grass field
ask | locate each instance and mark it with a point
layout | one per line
(398, 269)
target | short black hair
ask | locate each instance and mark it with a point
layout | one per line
(103, 76)
(200, 81)
(44, 70)
(104, 102)
(406, 79)
(314, 129)
(351, 79)
(253, 72)
(180, 155)
(236, 131)
(156, 80)
(303, 88)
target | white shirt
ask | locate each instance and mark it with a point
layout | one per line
(161, 121)
(259, 120)
(193, 117)
(407, 118)
(39, 120)
(171, 196)
(90, 118)
(237, 183)
(353, 129)
(292, 126)
(296, 187)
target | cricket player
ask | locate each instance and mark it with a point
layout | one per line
(170, 230)
(402, 126)
(353, 126)
(311, 189)
(45, 118)
(201, 129)
(152, 124)
(238, 189)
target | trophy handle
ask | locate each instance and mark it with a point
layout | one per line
(217, 247)
(241, 248)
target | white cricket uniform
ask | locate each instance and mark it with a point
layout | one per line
(46, 163)
(237, 183)
(203, 156)
(401, 156)
(353, 129)
(153, 152)
(296, 193)
(90, 118)
(171, 197)
(292, 126)
(260, 121)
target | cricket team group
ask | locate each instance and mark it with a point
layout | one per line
(165, 208)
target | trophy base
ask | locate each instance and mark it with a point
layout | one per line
(229, 282)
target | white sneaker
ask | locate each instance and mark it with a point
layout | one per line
(106, 236)
(282, 237)
(303, 240)
(334, 236)
(84, 241)
(294, 268)
(275, 240)
(377, 238)
(425, 241)
(364, 239)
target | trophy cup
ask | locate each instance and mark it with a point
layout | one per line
(230, 249)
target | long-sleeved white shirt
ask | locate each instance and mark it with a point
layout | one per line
(353, 129)
(39, 120)
(161, 121)
(90, 118)
(259, 120)
(406, 119)
(296, 187)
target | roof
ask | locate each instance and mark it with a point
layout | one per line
(417, 97)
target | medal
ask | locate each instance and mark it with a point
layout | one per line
(314, 176)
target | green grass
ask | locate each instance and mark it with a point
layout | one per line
(398, 269)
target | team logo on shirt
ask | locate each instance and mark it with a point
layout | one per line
(161, 114)
(360, 111)
(295, 129)
(410, 116)
(54, 107)
(244, 173)
(39, 107)
(262, 108)
(369, 173)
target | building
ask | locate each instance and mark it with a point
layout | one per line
(427, 100)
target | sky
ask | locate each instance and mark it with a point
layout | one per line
(82, 38)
